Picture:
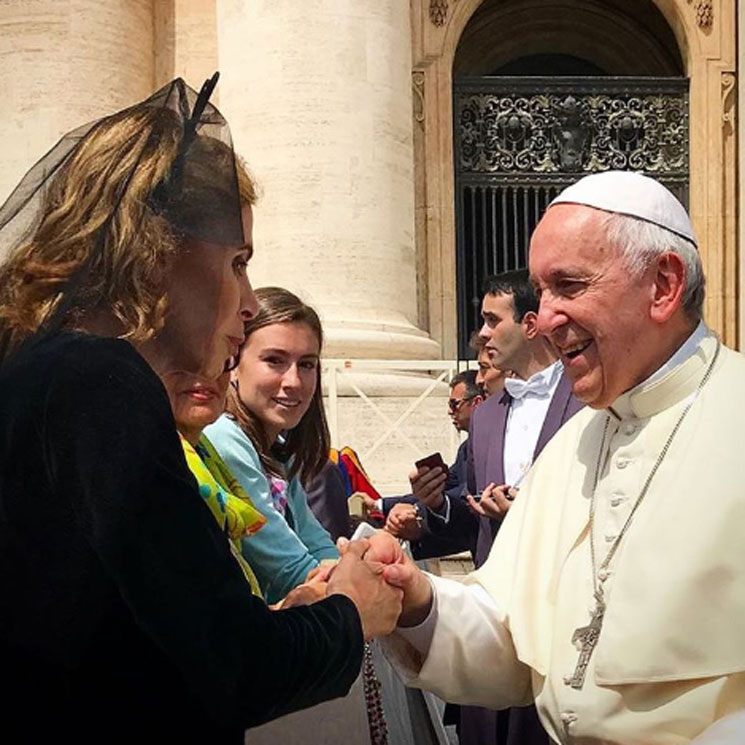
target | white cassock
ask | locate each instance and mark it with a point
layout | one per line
(670, 660)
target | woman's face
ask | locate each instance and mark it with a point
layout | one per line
(195, 401)
(209, 300)
(277, 375)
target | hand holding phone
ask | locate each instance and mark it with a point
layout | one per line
(431, 461)
(428, 487)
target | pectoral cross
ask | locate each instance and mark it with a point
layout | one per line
(585, 638)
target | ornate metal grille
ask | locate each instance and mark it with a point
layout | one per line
(520, 140)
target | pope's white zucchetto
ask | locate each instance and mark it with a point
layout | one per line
(632, 194)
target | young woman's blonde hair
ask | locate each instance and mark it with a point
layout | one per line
(305, 450)
(105, 184)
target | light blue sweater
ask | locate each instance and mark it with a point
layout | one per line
(280, 556)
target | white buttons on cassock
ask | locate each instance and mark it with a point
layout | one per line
(615, 501)
(610, 538)
(629, 428)
(568, 717)
(622, 462)
(603, 574)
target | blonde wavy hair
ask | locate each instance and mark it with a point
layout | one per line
(113, 171)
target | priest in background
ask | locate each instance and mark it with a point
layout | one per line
(614, 594)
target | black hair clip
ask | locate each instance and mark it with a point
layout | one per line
(199, 106)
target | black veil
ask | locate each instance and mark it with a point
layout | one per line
(199, 197)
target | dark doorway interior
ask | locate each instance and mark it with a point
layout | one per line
(556, 65)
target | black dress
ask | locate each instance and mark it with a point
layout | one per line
(123, 615)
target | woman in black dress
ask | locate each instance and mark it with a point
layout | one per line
(124, 616)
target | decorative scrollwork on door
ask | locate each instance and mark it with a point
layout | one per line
(573, 132)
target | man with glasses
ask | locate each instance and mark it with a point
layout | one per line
(465, 396)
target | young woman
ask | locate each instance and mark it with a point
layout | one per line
(274, 438)
(125, 615)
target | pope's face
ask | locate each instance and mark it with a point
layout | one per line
(592, 308)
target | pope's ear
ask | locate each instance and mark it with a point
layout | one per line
(530, 325)
(668, 286)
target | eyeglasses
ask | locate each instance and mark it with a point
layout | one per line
(454, 404)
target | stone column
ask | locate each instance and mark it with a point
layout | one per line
(318, 95)
(185, 42)
(65, 62)
(741, 172)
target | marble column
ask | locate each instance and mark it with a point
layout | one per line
(65, 62)
(741, 172)
(185, 42)
(318, 95)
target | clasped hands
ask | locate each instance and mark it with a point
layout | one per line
(385, 585)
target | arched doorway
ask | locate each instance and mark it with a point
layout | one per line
(543, 95)
(660, 38)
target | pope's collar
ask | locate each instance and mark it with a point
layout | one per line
(672, 382)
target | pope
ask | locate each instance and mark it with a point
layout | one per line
(614, 593)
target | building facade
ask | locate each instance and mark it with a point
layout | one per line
(345, 112)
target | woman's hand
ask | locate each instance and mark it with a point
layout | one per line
(305, 594)
(377, 601)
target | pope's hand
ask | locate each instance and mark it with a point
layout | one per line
(495, 501)
(402, 572)
(428, 486)
(378, 602)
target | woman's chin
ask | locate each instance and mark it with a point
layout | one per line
(285, 421)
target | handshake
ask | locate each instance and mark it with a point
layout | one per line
(385, 585)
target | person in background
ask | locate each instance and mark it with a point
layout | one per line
(327, 499)
(197, 402)
(507, 433)
(274, 438)
(490, 378)
(408, 520)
